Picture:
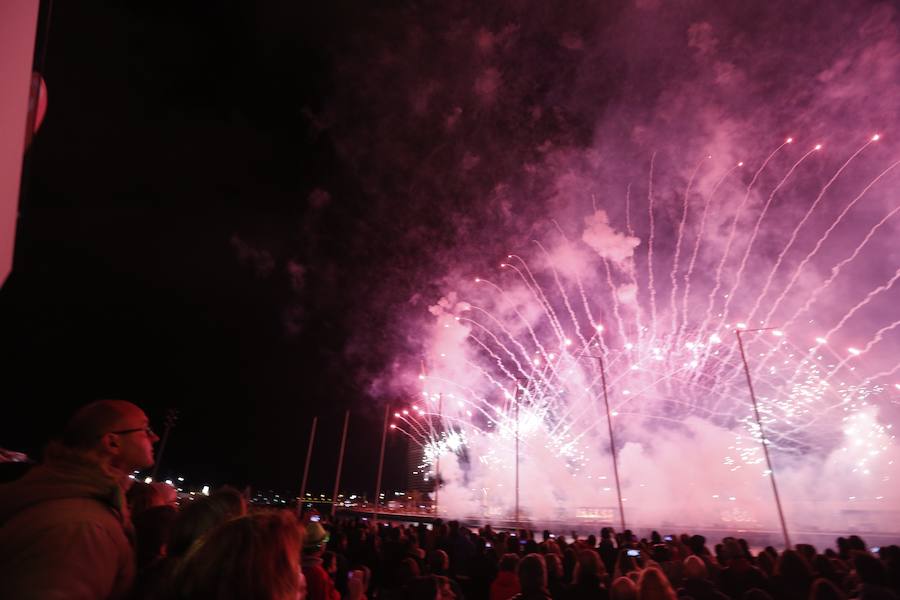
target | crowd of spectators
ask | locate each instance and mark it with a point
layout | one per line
(77, 526)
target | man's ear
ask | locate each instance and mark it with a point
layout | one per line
(110, 443)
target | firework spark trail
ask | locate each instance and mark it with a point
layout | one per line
(755, 233)
(835, 271)
(879, 335)
(500, 344)
(413, 425)
(630, 269)
(756, 226)
(650, 284)
(564, 295)
(587, 310)
(724, 363)
(487, 375)
(681, 224)
(521, 317)
(615, 297)
(628, 226)
(507, 333)
(478, 399)
(869, 297)
(886, 373)
(495, 357)
(415, 440)
(796, 231)
(537, 291)
(560, 390)
(565, 420)
(845, 400)
(696, 250)
(539, 294)
(731, 234)
(821, 241)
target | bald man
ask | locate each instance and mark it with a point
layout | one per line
(64, 527)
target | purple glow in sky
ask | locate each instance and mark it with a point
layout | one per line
(639, 180)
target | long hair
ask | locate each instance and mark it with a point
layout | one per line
(623, 588)
(822, 589)
(532, 573)
(653, 585)
(256, 556)
(589, 568)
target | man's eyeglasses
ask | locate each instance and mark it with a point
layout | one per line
(148, 430)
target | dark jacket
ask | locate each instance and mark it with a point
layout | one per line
(65, 532)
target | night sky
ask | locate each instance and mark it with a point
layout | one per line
(245, 212)
(175, 144)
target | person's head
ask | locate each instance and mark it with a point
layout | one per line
(116, 431)
(808, 551)
(588, 567)
(854, 542)
(555, 569)
(731, 552)
(766, 563)
(408, 570)
(255, 556)
(167, 494)
(653, 585)
(532, 573)
(438, 561)
(143, 496)
(229, 501)
(793, 567)
(509, 562)
(623, 588)
(316, 539)
(661, 553)
(823, 567)
(697, 544)
(869, 568)
(822, 589)
(195, 519)
(694, 567)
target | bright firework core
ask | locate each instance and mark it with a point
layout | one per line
(513, 366)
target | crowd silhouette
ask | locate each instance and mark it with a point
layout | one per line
(76, 526)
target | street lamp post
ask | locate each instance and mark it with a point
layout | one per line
(309, 449)
(762, 435)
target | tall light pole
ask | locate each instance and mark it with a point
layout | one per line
(762, 435)
(381, 462)
(517, 455)
(437, 463)
(309, 449)
(340, 465)
(612, 440)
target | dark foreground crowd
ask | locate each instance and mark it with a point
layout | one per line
(77, 526)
